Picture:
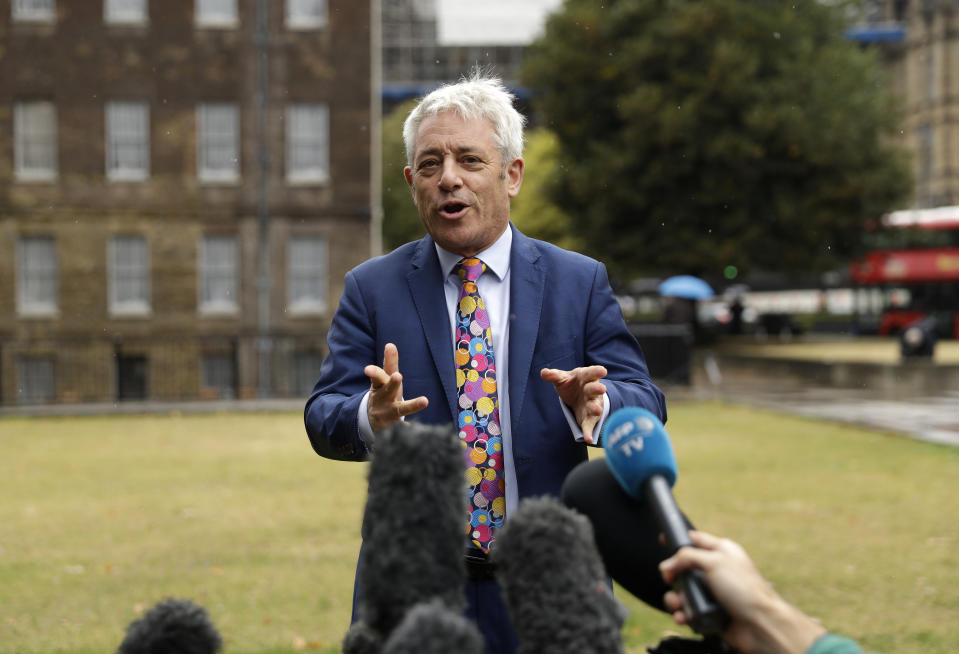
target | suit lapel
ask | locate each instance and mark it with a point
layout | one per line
(426, 286)
(527, 280)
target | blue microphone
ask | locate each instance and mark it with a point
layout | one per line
(640, 456)
(638, 448)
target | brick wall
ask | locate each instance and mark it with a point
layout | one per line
(79, 63)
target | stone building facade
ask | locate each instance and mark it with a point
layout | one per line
(416, 57)
(919, 46)
(183, 185)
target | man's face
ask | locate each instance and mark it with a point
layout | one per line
(460, 184)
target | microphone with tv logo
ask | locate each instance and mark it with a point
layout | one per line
(640, 456)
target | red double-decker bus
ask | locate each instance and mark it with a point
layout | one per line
(912, 272)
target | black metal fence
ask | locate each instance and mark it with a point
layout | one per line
(668, 349)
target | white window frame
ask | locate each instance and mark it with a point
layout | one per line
(127, 141)
(126, 12)
(128, 275)
(305, 371)
(218, 140)
(36, 367)
(306, 14)
(213, 276)
(38, 276)
(307, 275)
(34, 140)
(307, 143)
(33, 11)
(219, 364)
(216, 13)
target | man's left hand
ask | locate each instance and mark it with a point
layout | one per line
(580, 390)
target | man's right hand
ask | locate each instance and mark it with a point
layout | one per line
(386, 404)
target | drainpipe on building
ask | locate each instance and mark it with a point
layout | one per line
(376, 123)
(264, 340)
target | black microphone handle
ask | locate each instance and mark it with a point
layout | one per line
(659, 495)
(703, 613)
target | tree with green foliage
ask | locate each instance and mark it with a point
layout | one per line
(401, 222)
(698, 134)
(533, 211)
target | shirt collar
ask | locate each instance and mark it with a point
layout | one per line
(496, 256)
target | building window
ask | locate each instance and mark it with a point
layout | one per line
(35, 380)
(35, 141)
(218, 274)
(34, 10)
(219, 376)
(306, 275)
(218, 142)
(131, 12)
(128, 141)
(133, 372)
(930, 72)
(216, 13)
(305, 14)
(307, 143)
(37, 276)
(306, 371)
(899, 10)
(129, 275)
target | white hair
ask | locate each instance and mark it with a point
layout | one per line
(478, 96)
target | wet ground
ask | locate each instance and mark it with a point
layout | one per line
(933, 418)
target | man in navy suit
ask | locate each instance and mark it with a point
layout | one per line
(564, 358)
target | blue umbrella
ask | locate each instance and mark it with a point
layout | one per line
(686, 286)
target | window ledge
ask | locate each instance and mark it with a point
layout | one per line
(305, 24)
(126, 22)
(35, 19)
(35, 177)
(127, 177)
(308, 180)
(217, 23)
(131, 312)
(38, 312)
(306, 310)
(210, 179)
(218, 311)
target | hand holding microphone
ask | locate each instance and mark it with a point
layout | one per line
(762, 621)
(626, 496)
(640, 456)
(729, 571)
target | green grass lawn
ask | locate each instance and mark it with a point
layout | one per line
(102, 517)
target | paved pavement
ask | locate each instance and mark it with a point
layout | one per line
(933, 418)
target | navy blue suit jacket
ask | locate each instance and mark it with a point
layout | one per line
(563, 315)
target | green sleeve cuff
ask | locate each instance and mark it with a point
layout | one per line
(833, 644)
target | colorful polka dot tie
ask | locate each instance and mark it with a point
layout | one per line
(478, 416)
